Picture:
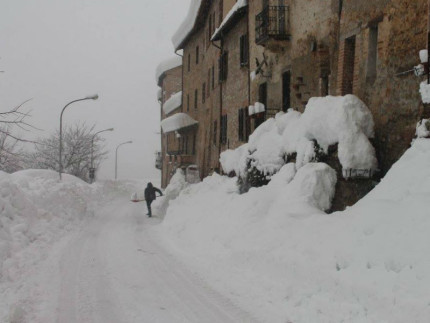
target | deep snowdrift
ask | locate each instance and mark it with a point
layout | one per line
(274, 252)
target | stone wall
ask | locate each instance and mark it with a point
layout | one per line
(401, 31)
(235, 88)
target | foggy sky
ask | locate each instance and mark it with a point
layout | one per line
(55, 51)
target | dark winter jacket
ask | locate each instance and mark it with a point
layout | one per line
(150, 192)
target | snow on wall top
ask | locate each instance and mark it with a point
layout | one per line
(187, 25)
(329, 120)
(167, 65)
(176, 122)
(237, 6)
(174, 102)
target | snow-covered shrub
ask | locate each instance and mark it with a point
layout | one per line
(306, 138)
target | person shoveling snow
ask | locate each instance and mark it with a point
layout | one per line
(150, 196)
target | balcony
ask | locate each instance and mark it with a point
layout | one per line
(272, 24)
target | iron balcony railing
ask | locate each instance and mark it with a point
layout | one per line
(272, 23)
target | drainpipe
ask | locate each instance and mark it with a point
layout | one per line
(428, 42)
(220, 109)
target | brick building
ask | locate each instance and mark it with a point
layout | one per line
(282, 52)
(169, 79)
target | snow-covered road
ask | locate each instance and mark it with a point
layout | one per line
(116, 270)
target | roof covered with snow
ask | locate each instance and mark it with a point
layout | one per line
(165, 66)
(236, 11)
(177, 122)
(188, 24)
(174, 102)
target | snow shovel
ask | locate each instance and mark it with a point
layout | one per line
(135, 199)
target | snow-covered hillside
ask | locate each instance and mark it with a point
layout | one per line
(274, 252)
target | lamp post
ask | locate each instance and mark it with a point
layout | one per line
(93, 97)
(92, 169)
(116, 157)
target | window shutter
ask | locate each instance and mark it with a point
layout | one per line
(240, 124)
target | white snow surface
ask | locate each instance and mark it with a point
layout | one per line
(425, 92)
(167, 65)
(289, 262)
(329, 120)
(424, 53)
(423, 129)
(176, 122)
(174, 102)
(176, 185)
(256, 108)
(73, 252)
(187, 25)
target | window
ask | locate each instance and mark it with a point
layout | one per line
(286, 93)
(348, 66)
(212, 17)
(210, 27)
(244, 125)
(188, 102)
(209, 81)
(197, 55)
(194, 144)
(244, 51)
(324, 85)
(223, 67)
(196, 99)
(220, 11)
(223, 134)
(189, 62)
(204, 93)
(213, 76)
(372, 54)
(215, 132)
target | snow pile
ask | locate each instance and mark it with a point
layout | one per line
(423, 129)
(425, 92)
(256, 108)
(236, 7)
(36, 208)
(174, 102)
(329, 120)
(172, 191)
(187, 25)
(176, 122)
(167, 65)
(281, 258)
(424, 55)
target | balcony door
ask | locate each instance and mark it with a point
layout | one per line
(286, 93)
(281, 17)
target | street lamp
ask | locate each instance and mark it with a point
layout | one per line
(116, 156)
(92, 170)
(93, 97)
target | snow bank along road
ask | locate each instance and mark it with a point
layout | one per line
(116, 271)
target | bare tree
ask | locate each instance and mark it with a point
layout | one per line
(11, 154)
(77, 142)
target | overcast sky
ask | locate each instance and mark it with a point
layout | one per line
(55, 51)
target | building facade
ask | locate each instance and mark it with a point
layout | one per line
(277, 54)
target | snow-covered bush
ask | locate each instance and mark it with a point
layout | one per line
(345, 121)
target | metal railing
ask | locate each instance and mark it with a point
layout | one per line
(272, 22)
